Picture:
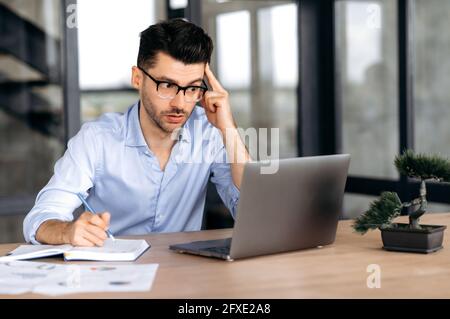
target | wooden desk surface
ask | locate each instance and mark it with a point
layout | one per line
(335, 271)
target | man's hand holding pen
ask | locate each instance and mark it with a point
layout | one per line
(88, 230)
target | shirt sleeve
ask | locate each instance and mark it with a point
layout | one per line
(73, 173)
(221, 177)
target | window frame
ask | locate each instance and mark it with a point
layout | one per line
(321, 135)
(21, 204)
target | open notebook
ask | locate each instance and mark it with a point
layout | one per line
(118, 250)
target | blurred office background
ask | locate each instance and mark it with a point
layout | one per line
(365, 77)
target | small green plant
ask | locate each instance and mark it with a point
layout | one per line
(384, 210)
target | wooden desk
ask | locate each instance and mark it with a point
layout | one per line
(335, 271)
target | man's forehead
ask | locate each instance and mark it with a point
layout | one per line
(175, 70)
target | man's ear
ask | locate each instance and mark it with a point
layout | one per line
(136, 78)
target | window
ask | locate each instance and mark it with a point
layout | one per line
(431, 80)
(256, 60)
(32, 110)
(366, 49)
(356, 204)
(32, 132)
(391, 84)
(234, 28)
(109, 49)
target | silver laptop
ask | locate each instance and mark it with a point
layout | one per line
(296, 208)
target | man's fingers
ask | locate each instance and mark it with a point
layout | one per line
(79, 238)
(106, 218)
(92, 238)
(96, 231)
(210, 105)
(213, 99)
(203, 103)
(213, 103)
(98, 221)
(212, 79)
(83, 242)
(86, 216)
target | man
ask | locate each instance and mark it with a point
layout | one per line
(147, 170)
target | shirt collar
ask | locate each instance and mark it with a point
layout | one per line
(134, 131)
(135, 137)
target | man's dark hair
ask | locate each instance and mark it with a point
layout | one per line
(182, 40)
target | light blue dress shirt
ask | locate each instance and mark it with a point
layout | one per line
(109, 162)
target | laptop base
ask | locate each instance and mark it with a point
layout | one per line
(219, 248)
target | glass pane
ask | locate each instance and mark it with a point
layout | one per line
(31, 96)
(431, 76)
(356, 204)
(283, 34)
(261, 74)
(278, 74)
(107, 50)
(11, 229)
(234, 28)
(105, 66)
(367, 77)
(178, 4)
(438, 208)
(96, 103)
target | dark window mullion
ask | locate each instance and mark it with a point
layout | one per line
(370, 186)
(70, 81)
(437, 192)
(318, 116)
(405, 82)
(193, 12)
(173, 13)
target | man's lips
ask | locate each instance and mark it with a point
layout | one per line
(174, 118)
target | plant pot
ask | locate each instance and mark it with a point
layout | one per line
(399, 237)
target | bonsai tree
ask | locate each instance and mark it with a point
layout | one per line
(383, 210)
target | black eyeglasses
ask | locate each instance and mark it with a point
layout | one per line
(168, 90)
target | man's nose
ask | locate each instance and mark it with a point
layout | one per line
(178, 100)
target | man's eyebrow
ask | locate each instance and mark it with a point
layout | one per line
(165, 78)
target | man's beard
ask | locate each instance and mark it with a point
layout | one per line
(157, 119)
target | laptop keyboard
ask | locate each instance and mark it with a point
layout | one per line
(225, 250)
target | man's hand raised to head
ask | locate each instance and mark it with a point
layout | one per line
(216, 104)
(218, 110)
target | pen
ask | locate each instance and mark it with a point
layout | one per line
(89, 208)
